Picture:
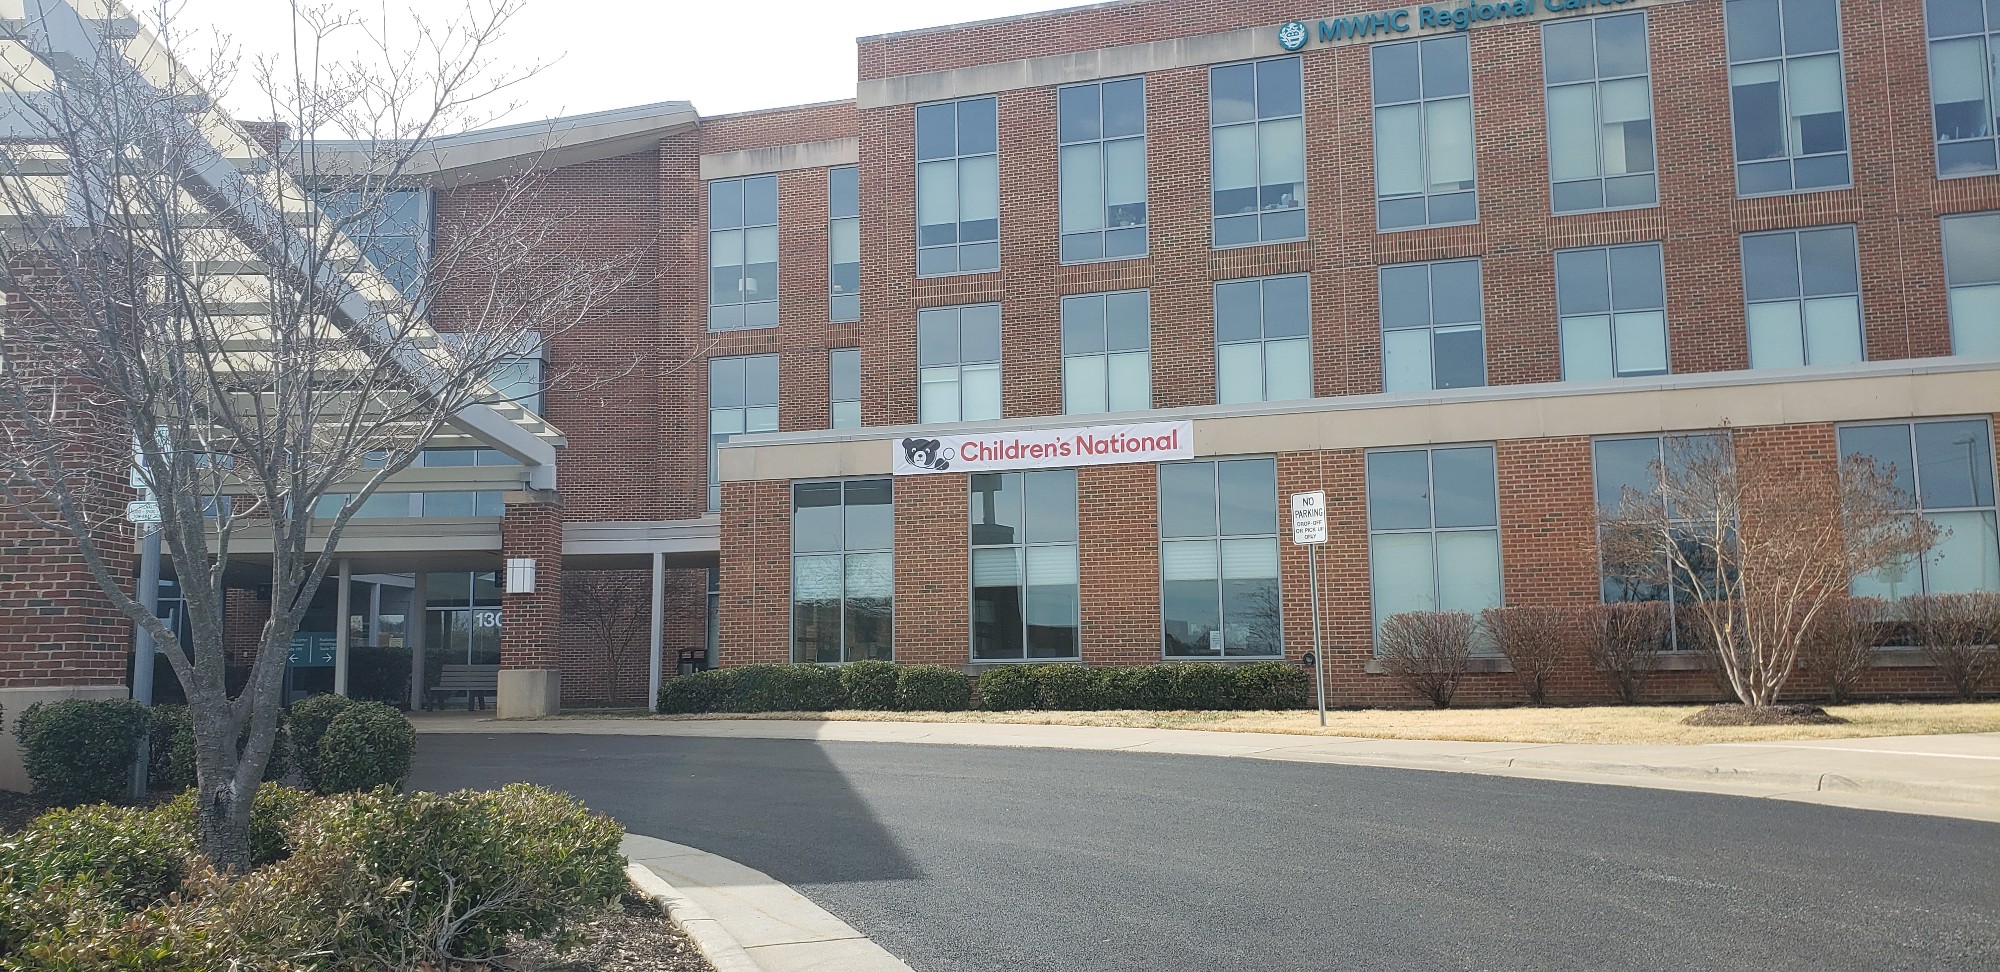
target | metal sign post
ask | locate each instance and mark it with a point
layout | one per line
(1309, 529)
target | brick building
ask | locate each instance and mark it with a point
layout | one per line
(1465, 269)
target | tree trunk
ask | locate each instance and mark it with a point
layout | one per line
(222, 823)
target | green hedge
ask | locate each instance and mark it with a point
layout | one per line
(869, 684)
(756, 688)
(932, 688)
(883, 686)
(366, 746)
(81, 750)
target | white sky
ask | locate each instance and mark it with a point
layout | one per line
(724, 56)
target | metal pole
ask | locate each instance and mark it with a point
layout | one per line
(143, 648)
(658, 647)
(1319, 654)
(343, 605)
(414, 635)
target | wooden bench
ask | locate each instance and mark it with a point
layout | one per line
(478, 682)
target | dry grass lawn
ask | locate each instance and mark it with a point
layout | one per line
(1652, 724)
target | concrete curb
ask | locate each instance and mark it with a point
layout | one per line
(710, 938)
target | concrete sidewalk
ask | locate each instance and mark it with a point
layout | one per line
(1949, 776)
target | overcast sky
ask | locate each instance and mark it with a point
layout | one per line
(724, 56)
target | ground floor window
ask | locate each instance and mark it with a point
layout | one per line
(462, 617)
(1024, 578)
(1219, 559)
(1433, 531)
(1628, 470)
(1946, 467)
(843, 571)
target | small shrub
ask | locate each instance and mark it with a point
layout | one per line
(869, 684)
(1957, 632)
(1271, 685)
(1067, 687)
(1841, 643)
(377, 674)
(1535, 639)
(121, 856)
(1623, 641)
(1122, 687)
(81, 750)
(696, 692)
(1008, 688)
(932, 688)
(366, 746)
(1427, 651)
(783, 688)
(309, 721)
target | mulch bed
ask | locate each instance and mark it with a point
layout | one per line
(636, 937)
(1737, 714)
(17, 809)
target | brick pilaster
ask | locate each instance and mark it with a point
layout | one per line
(531, 630)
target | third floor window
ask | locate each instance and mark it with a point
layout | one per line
(1600, 113)
(843, 244)
(1102, 128)
(958, 187)
(1786, 95)
(1256, 117)
(742, 253)
(1965, 38)
(1423, 133)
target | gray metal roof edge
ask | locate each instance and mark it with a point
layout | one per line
(663, 110)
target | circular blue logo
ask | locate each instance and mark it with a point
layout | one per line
(1292, 36)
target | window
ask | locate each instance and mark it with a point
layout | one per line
(1965, 46)
(843, 244)
(1263, 340)
(1102, 130)
(519, 378)
(1219, 559)
(843, 571)
(843, 380)
(1786, 93)
(742, 253)
(1257, 145)
(1802, 289)
(1636, 463)
(1433, 531)
(1600, 113)
(1947, 467)
(392, 228)
(1423, 133)
(1107, 357)
(958, 187)
(1432, 333)
(1612, 303)
(1972, 279)
(958, 363)
(742, 398)
(1024, 593)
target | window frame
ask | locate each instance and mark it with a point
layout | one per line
(1145, 226)
(832, 383)
(1103, 358)
(1277, 538)
(1596, 83)
(1991, 49)
(714, 481)
(1264, 340)
(743, 251)
(833, 224)
(792, 554)
(1944, 244)
(957, 159)
(1783, 59)
(1423, 136)
(1482, 648)
(1805, 345)
(1382, 328)
(1613, 309)
(1992, 471)
(959, 362)
(1021, 545)
(1256, 122)
(1672, 598)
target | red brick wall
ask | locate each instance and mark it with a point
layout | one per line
(532, 630)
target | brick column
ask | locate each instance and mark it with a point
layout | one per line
(531, 621)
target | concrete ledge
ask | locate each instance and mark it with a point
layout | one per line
(711, 939)
(528, 693)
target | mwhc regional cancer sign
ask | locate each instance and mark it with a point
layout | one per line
(1095, 445)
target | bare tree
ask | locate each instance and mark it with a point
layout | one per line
(1841, 644)
(1535, 639)
(1960, 634)
(187, 302)
(1756, 548)
(612, 610)
(1624, 638)
(1428, 651)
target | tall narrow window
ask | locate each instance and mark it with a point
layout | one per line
(958, 187)
(1972, 279)
(843, 244)
(1263, 340)
(958, 363)
(742, 398)
(1433, 531)
(1600, 113)
(1787, 95)
(1024, 591)
(1257, 145)
(1102, 130)
(1612, 302)
(1107, 356)
(1432, 326)
(1423, 133)
(742, 253)
(1947, 468)
(1964, 52)
(1635, 464)
(843, 571)
(843, 387)
(1219, 559)
(1803, 294)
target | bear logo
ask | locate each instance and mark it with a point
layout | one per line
(925, 454)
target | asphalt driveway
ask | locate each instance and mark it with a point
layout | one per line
(1002, 860)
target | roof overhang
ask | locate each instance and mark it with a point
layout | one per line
(491, 153)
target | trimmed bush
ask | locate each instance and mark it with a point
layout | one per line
(1009, 688)
(1427, 651)
(309, 720)
(1068, 687)
(170, 761)
(1122, 687)
(869, 684)
(377, 674)
(696, 692)
(1198, 685)
(1271, 685)
(120, 856)
(794, 688)
(81, 750)
(932, 688)
(366, 746)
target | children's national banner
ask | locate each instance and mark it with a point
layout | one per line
(1094, 445)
